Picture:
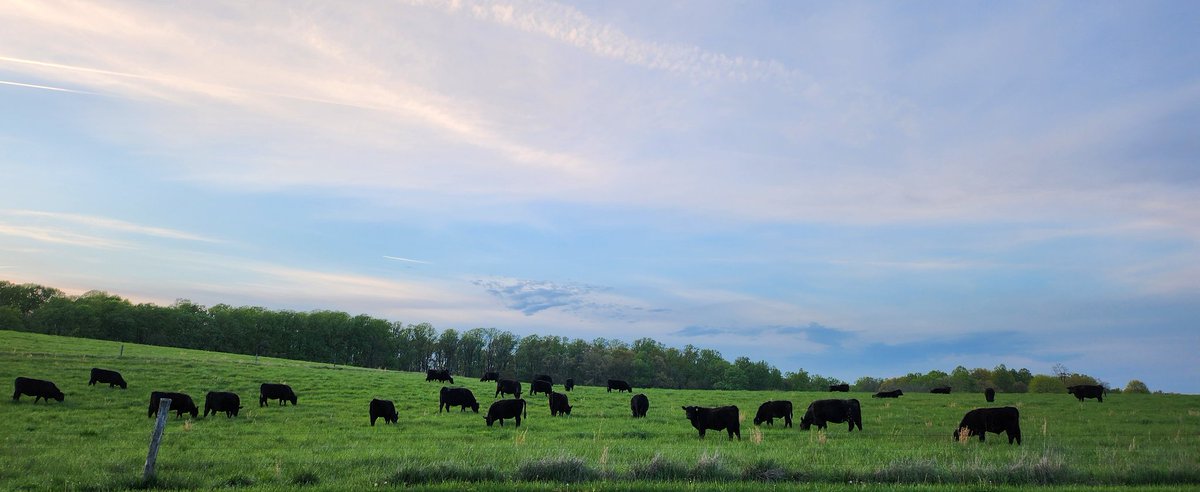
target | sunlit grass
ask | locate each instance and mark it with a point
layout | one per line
(97, 438)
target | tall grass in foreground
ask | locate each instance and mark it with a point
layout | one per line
(97, 438)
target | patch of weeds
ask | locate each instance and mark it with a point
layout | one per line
(565, 469)
(767, 470)
(711, 468)
(910, 471)
(237, 481)
(306, 478)
(658, 468)
(413, 472)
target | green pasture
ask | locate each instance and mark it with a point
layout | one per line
(98, 437)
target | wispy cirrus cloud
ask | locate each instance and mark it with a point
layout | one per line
(105, 223)
(531, 297)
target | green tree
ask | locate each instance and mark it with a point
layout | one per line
(1136, 386)
(1042, 383)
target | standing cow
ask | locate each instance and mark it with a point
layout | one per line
(440, 375)
(180, 403)
(940, 390)
(888, 394)
(843, 388)
(569, 385)
(771, 410)
(457, 397)
(989, 395)
(559, 404)
(489, 376)
(273, 391)
(639, 404)
(1082, 391)
(719, 418)
(980, 421)
(822, 411)
(105, 376)
(540, 386)
(37, 388)
(508, 387)
(383, 409)
(619, 385)
(221, 401)
(506, 409)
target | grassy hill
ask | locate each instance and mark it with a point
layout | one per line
(97, 438)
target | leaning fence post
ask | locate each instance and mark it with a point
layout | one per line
(122, 352)
(164, 407)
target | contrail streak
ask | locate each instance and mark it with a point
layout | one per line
(397, 258)
(46, 87)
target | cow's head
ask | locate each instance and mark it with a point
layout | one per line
(693, 412)
(806, 422)
(475, 407)
(489, 420)
(58, 395)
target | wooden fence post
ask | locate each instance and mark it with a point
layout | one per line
(164, 407)
(122, 352)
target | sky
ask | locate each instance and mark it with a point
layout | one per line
(851, 188)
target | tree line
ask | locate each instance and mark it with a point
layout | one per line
(338, 338)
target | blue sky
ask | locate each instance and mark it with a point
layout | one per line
(854, 188)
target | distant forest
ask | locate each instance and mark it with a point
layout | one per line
(338, 338)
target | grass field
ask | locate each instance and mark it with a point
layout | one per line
(98, 437)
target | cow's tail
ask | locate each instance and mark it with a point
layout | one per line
(524, 410)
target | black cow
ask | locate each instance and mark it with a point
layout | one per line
(441, 375)
(457, 397)
(821, 412)
(840, 387)
(508, 387)
(37, 388)
(543, 377)
(112, 378)
(719, 418)
(272, 391)
(489, 376)
(769, 411)
(980, 421)
(617, 384)
(221, 401)
(888, 394)
(941, 390)
(180, 403)
(506, 409)
(569, 385)
(559, 404)
(383, 409)
(989, 395)
(639, 404)
(1082, 391)
(540, 386)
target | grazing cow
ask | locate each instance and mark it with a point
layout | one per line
(989, 395)
(941, 390)
(543, 377)
(559, 404)
(489, 376)
(888, 394)
(540, 386)
(221, 401)
(1082, 391)
(619, 385)
(639, 404)
(719, 418)
(769, 411)
(180, 403)
(272, 391)
(506, 409)
(569, 385)
(844, 388)
(457, 397)
(441, 375)
(37, 388)
(821, 412)
(980, 421)
(508, 387)
(113, 378)
(383, 409)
